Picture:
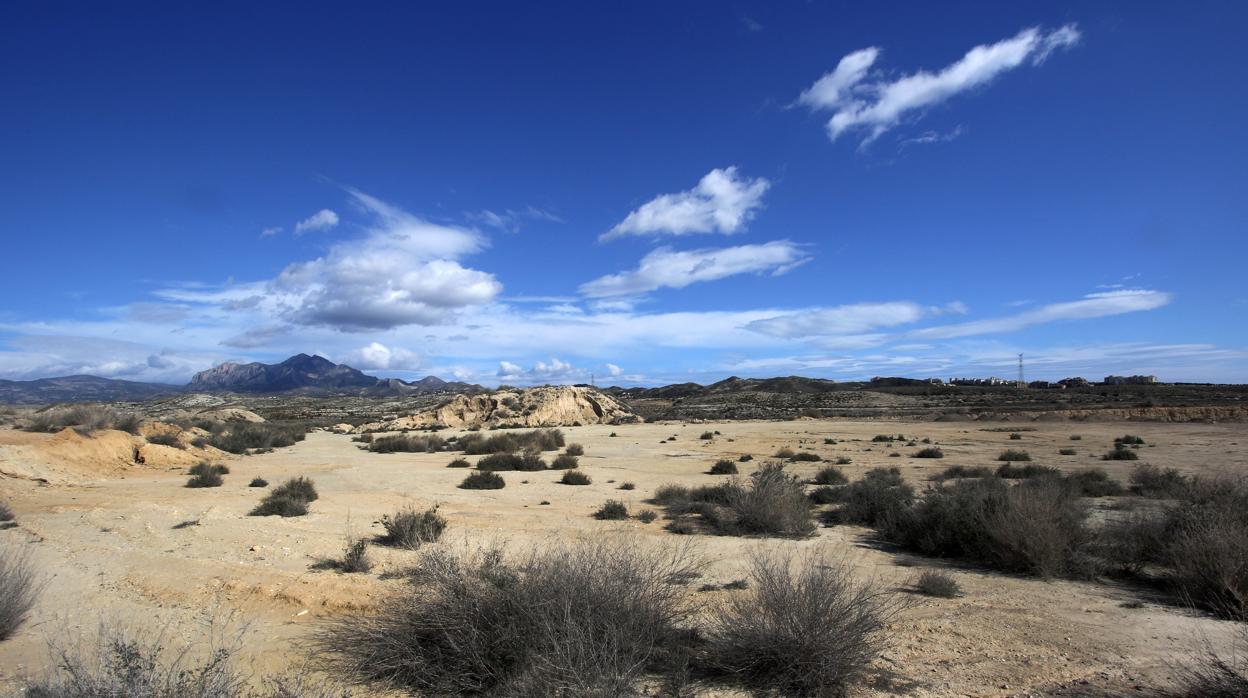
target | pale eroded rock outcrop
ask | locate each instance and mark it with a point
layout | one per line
(549, 406)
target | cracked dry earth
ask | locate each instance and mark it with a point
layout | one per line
(110, 546)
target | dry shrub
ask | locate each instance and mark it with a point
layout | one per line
(500, 462)
(806, 457)
(870, 500)
(770, 503)
(85, 419)
(240, 437)
(537, 440)
(723, 467)
(574, 477)
(1037, 527)
(258, 482)
(564, 461)
(1012, 455)
(419, 443)
(830, 475)
(6, 514)
(958, 472)
(1206, 547)
(1121, 452)
(1152, 481)
(291, 498)
(800, 628)
(930, 452)
(355, 557)
(578, 620)
(1214, 674)
(166, 439)
(574, 450)
(483, 480)
(612, 510)
(409, 528)
(1094, 483)
(206, 475)
(1010, 471)
(939, 584)
(19, 588)
(459, 463)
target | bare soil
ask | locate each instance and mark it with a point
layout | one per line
(108, 540)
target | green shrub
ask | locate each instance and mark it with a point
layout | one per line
(806, 457)
(239, 437)
(483, 480)
(511, 442)
(574, 477)
(258, 482)
(1129, 440)
(85, 419)
(459, 463)
(1012, 455)
(723, 467)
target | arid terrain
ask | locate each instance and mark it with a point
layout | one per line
(128, 543)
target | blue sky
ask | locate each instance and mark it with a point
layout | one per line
(645, 192)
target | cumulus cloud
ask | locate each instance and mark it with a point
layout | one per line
(722, 202)
(403, 272)
(270, 232)
(323, 219)
(377, 356)
(875, 106)
(667, 268)
(554, 371)
(1093, 305)
(613, 370)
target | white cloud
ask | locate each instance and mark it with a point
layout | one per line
(840, 320)
(1093, 305)
(377, 356)
(722, 202)
(270, 232)
(877, 106)
(402, 272)
(555, 370)
(255, 337)
(511, 220)
(613, 370)
(667, 268)
(323, 219)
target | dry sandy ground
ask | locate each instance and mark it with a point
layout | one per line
(110, 550)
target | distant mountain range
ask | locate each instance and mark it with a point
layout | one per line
(300, 374)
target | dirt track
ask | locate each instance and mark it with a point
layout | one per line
(107, 540)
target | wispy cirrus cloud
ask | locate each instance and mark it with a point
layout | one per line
(668, 268)
(875, 106)
(511, 220)
(722, 202)
(1091, 306)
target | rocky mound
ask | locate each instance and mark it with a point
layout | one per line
(550, 406)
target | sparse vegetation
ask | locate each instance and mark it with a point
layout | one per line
(240, 437)
(844, 460)
(574, 477)
(707, 435)
(1015, 436)
(772, 503)
(6, 513)
(468, 625)
(805, 457)
(167, 438)
(868, 501)
(459, 463)
(1009, 471)
(612, 510)
(85, 419)
(483, 480)
(745, 458)
(936, 583)
(830, 475)
(1152, 481)
(785, 453)
(564, 461)
(627, 486)
(408, 443)
(799, 629)
(1012, 456)
(646, 515)
(1066, 452)
(512, 442)
(929, 452)
(574, 450)
(291, 498)
(409, 528)
(956, 472)
(258, 482)
(355, 557)
(1094, 483)
(206, 475)
(19, 588)
(1121, 452)
(723, 467)
(1129, 440)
